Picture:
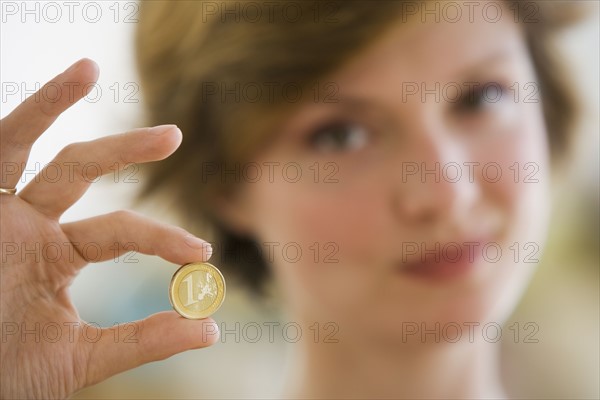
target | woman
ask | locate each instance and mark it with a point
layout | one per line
(421, 139)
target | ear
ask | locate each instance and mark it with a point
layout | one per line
(235, 213)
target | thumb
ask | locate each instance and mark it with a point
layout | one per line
(155, 338)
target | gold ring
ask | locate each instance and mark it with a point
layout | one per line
(8, 191)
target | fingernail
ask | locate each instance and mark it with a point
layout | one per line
(211, 330)
(160, 129)
(198, 243)
(208, 250)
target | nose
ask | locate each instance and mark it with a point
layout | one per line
(435, 181)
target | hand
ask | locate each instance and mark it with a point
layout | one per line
(34, 287)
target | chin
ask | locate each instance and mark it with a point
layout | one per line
(485, 300)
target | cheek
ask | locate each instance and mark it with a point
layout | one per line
(338, 227)
(520, 156)
(522, 195)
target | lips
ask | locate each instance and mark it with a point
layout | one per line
(441, 261)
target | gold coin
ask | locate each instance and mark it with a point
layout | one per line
(197, 290)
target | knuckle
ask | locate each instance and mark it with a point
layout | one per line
(69, 152)
(125, 217)
(13, 143)
(123, 160)
(65, 160)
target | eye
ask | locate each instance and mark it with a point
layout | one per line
(339, 136)
(478, 98)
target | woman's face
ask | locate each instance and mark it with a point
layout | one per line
(436, 145)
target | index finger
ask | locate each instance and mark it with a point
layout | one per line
(21, 128)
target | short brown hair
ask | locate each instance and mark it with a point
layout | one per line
(183, 45)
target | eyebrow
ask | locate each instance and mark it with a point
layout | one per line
(484, 62)
(468, 72)
(352, 104)
(358, 105)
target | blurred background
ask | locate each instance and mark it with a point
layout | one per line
(563, 299)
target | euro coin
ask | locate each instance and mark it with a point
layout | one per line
(197, 290)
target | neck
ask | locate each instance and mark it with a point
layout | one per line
(361, 368)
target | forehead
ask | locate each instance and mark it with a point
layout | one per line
(413, 50)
